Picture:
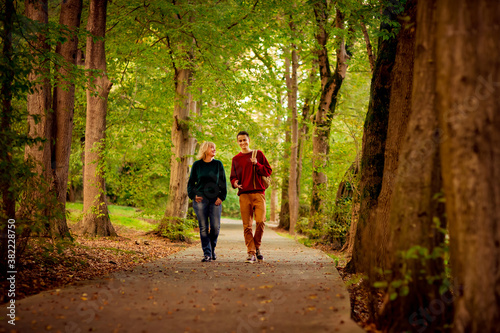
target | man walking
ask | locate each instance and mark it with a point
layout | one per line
(246, 176)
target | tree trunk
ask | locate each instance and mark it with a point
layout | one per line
(183, 146)
(399, 113)
(274, 203)
(96, 220)
(285, 206)
(415, 211)
(63, 105)
(273, 216)
(374, 137)
(8, 204)
(467, 85)
(352, 175)
(330, 86)
(303, 138)
(292, 87)
(304, 130)
(36, 205)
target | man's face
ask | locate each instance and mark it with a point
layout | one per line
(243, 141)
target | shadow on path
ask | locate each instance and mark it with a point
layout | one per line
(295, 289)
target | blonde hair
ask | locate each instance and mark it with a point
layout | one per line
(203, 149)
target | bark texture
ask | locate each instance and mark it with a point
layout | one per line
(304, 128)
(274, 203)
(36, 203)
(330, 87)
(416, 220)
(183, 145)
(352, 176)
(399, 113)
(292, 86)
(40, 117)
(373, 143)
(63, 105)
(467, 84)
(96, 220)
(285, 205)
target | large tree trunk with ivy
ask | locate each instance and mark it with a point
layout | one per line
(467, 86)
(373, 143)
(330, 87)
(417, 224)
(8, 203)
(63, 105)
(183, 145)
(36, 203)
(96, 220)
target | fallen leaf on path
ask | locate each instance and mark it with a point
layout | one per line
(267, 286)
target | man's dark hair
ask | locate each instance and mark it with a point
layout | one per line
(243, 133)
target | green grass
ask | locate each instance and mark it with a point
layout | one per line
(306, 241)
(299, 238)
(119, 215)
(335, 258)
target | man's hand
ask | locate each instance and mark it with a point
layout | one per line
(218, 202)
(236, 185)
(253, 160)
(198, 199)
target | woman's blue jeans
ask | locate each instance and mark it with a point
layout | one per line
(208, 215)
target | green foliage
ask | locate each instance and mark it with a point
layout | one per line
(306, 241)
(176, 229)
(330, 227)
(400, 286)
(335, 259)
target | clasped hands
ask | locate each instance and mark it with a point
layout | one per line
(218, 202)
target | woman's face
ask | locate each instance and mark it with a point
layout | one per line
(211, 151)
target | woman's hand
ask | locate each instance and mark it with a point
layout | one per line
(198, 199)
(218, 202)
(236, 185)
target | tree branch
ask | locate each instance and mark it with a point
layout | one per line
(369, 49)
(244, 17)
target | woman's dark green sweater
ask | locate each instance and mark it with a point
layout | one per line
(207, 180)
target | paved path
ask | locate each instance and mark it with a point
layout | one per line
(295, 289)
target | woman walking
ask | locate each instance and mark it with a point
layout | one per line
(207, 188)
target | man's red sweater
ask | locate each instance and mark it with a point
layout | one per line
(243, 170)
